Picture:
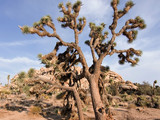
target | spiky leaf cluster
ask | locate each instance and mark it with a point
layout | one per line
(68, 4)
(131, 35)
(25, 29)
(96, 31)
(46, 19)
(31, 72)
(76, 6)
(114, 2)
(129, 3)
(60, 5)
(129, 32)
(141, 22)
(97, 34)
(127, 57)
(39, 56)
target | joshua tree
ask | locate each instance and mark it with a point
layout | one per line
(63, 62)
(154, 84)
(8, 78)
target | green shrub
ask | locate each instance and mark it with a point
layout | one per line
(144, 101)
(157, 90)
(31, 72)
(144, 89)
(26, 89)
(156, 102)
(113, 89)
(21, 75)
(125, 97)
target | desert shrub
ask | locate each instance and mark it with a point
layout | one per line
(31, 72)
(26, 89)
(143, 101)
(144, 89)
(44, 96)
(125, 97)
(113, 89)
(156, 102)
(21, 75)
(157, 90)
(35, 110)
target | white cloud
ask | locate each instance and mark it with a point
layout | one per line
(22, 43)
(95, 10)
(23, 60)
(15, 65)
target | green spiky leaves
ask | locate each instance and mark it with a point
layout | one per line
(82, 19)
(126, 56)
(25, 29)
(132, 35)
(36, 24)
(106, 33)
(114, 2)
(97, 29)
(68, 4)
(92, 25)
(136, 59)
(129, 4)
(46, 19)
(141, 22)
(39, 56)
(76, 6)
(60, 19)
(60, 5)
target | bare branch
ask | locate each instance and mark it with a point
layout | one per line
(58, 86)
(92, 50)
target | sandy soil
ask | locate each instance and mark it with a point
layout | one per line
(118, 114)
(136, 114)
(14, 115)
(17, 108)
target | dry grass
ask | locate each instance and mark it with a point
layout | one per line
(35, 110)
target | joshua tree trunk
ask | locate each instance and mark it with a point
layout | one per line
(96, 99)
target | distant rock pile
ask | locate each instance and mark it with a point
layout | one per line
(110, 76)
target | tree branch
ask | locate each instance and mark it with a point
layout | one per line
(92, 50)
(58, 86)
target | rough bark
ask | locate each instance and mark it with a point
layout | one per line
(98, 106)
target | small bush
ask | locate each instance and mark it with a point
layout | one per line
(35, 110)
(21, 75)
(157, 90)
(31, 72)
(143, 101)
(26, 90)
(156, 102)
(113, 89)
(125, 97)
(144, 89)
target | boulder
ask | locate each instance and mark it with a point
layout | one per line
(110, 75)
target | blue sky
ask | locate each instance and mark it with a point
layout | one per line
(19, 52)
